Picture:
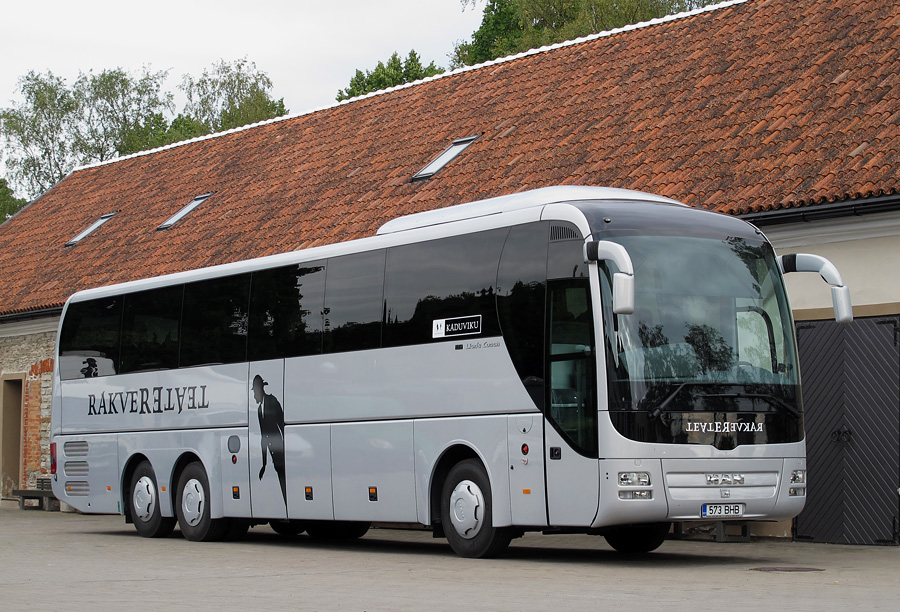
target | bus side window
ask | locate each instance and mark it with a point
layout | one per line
(441, 279)
(521, 293)
(150, 330)
(354, 292)
(287, 311)
(214, 321)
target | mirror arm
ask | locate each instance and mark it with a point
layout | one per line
(623, 281)
(840, 293)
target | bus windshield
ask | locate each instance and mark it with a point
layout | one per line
(711, 334)
(705, 321)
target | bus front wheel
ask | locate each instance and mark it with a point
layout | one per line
(466, 513)
(192, 506)
(145, 513)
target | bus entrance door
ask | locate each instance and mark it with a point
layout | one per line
(570, 442)
(268, 481)
(573, 483)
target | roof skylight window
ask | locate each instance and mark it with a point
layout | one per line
(200, 199)
(444, 158)
(90, 229)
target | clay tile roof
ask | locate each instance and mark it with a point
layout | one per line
(752, 106)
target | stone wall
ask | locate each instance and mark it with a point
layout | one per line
(31, 355)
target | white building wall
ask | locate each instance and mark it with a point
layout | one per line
(866, 251)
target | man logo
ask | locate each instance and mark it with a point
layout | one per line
(715, 480)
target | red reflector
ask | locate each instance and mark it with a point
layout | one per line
(53, 457)
(524, 449)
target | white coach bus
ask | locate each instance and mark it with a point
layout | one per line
(569, 359)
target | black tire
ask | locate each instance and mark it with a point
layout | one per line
(192, 506)
(467, 513)
(637, 539)
(144, 504)
(336, 530)
(287, 528)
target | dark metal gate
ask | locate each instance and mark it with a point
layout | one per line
(851, 396)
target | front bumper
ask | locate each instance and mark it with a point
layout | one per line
(679, 488)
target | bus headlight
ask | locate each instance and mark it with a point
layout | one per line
(798, 477)
(634, 479)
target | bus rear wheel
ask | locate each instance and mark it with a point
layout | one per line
(192, 506)
(287, 527)
(145, 512)
(467, 515)
(637, 539)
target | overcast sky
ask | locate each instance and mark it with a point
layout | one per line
(309, 49)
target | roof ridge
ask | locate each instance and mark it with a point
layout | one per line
(568, 43)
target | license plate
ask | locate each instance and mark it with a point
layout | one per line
(722, 510)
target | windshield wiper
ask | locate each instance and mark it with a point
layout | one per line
(654, 414)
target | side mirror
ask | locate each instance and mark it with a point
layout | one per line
(840, 293)
(623, 281)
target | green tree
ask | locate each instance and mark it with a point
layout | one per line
(500, 33)
(513, 26)
(102, 116)
(119, 113)
(9, 203)
(38, 133)
(183, 128)
(384, 75)
(149, 132)
(230, 95)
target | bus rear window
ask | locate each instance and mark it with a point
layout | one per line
(89, 339)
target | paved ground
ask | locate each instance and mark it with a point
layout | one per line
(75, 562)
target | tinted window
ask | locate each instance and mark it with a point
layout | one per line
(150, 327)
(438, 280)
(573, 397)
(354, 289)
(89, 339)
(214, 322)
(520, 303)
(566, 258)
(286, 311)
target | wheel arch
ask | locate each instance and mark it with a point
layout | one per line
(125, 486)
(185, 459)
(451, 456)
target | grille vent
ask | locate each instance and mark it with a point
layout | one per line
(77, 468)
(76, 448)
(77, 488)
(563, 232)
